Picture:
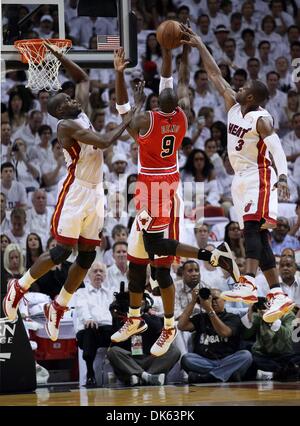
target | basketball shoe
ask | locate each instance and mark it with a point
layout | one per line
(223, 257)
(133, 325)
(162, 344)
(243, 291)
(53, 313)
(12, 299)
(279, 304)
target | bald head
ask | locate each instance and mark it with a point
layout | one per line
(168, 100)
(54, 103)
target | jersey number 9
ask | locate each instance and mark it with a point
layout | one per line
(167, 146)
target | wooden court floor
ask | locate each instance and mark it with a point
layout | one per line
(247, 393)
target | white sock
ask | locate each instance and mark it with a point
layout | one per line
(64, 297)
(169, 322)
(134, 312)
(26, 281)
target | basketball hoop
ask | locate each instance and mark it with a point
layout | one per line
(43, 66)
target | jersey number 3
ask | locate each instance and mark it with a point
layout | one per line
(239, 145)
(167, 146)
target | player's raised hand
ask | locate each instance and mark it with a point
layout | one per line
(189, 37)
(119, 60)
(53, 49)
(139, 94)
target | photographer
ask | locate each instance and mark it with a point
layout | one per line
(215, 355)
(273, 347)
(131, 360)
(93, 320)
(26, 172)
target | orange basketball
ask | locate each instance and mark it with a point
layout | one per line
(169, 34)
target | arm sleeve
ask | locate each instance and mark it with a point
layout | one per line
(274, 146)
(165, 83)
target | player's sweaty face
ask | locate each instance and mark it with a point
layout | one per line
(71, 106)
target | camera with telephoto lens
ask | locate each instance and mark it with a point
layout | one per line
(204, 293)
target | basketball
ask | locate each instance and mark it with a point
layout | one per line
(169, 34)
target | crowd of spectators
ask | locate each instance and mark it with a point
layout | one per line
(249, 40)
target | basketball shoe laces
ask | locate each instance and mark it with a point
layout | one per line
(241, 283)
(58, 312)
(19, 293)
(128, 322)
(165, 334)
(272, 299)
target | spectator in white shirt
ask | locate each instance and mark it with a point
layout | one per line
(249, 49)
(203, 97)
(132, 165)
(118, 176)
(118, 233)
(118, 272)
(84, 27)
(290, 282)
(283, 19)
(204, 30)
(248, 17)
(39, 217)
(93, 318)
(253, 69)
(239, 79)
(221, 33)
(267, 32)
(45, 28)
(17, 232)
(29, 132)
(98, 120)
(43, 97)
(235, 27)
(27, 171)
(266, 64)
(53, 172)
(14, 191)
(215, 16)
(277, 99)
(43, 152)
(5, 223)
(6, 142)
(282, 67)
(291, 142)
(294, 222)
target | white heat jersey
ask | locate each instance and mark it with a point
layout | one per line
(245, 147)
(84, 160)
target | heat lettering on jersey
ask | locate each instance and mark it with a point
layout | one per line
(236, 130)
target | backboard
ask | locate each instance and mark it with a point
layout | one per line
(94, 38)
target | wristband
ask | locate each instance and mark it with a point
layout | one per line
(123, 109)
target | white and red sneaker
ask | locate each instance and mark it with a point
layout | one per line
(12, 299)
(279, 304)
(222, 256)
(243, 291)
(162, 344)
(53, 313)
(133, 325)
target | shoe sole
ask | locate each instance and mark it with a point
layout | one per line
(10, 318)
(140, 330)
(46, 326)
(249, 300)
(285, 309)
(162, 353)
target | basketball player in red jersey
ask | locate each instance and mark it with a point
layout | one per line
(159, 135)
(255, 187)
(78, 216)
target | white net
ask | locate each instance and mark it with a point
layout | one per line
(43, 66)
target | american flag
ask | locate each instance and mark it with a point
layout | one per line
(108, 42)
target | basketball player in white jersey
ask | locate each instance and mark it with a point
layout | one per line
(255, 187)
(78, 216)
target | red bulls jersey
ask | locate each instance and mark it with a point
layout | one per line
(159, 146)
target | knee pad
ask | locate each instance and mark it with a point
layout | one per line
(155, 244)
(137, 278)
(163, 277)
(253, 244)
(85, 259)
(59, 254)
(267, 260)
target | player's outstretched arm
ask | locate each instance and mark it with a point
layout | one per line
(183, 81)
(140, 120)
(68, 131)
(212, 69)
(79, 76)
(271, 139)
